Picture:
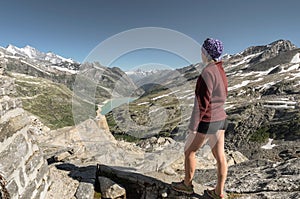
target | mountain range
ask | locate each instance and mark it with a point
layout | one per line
(262, 139)
(35, 54)
(41, 77)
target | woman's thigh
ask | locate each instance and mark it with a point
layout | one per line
(194, 141)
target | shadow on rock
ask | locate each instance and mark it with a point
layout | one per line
(82, 174)
(139, 186)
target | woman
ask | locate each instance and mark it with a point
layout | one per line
(208, 120)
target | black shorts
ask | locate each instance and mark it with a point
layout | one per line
(212, 127)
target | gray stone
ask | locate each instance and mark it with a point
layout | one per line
(261, 178)
(161, 140)
(32, 162)
(28, 191)
(271, 195)
(110, 189)
(12, 188)
(169, 171)
(7, 84)
(62, 185)
(283, 177)
(85, 191)
(62, 156)
(153, 140)
(18, 150)
(22, 177)
(13, 124)
(7, 104)
(237, 157)
(40, 189)
(42, 172)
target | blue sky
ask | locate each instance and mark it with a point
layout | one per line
(72, 28)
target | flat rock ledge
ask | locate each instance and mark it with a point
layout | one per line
(252, 179)
(140, 186)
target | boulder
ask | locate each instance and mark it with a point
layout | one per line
(110, 189)
(85, 191)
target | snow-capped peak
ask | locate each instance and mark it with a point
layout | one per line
(143, 72)
(33, 53)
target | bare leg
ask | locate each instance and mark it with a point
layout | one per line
(189, 161)
(216, 143)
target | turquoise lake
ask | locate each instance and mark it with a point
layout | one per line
(113, 103)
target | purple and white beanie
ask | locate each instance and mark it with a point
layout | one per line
(213, 47)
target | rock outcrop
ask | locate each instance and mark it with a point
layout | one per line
(259, 179)
(22, 165)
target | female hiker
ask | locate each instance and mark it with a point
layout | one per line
(208, 120)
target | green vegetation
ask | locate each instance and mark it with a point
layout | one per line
(97, 195)
(126, 137)
(233, 195)
(51, 102)
(288, 129)
(261, 135)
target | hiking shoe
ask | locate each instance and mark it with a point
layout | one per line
(181, 187)
(213, 194)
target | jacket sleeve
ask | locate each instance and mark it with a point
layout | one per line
(203, 95)
(194, 121)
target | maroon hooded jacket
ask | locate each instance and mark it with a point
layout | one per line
(210, 96)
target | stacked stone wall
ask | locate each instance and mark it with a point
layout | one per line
(24, 172)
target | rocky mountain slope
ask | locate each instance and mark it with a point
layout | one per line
(263, 100)
(45, 83)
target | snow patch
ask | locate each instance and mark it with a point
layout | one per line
(189, 96)
(269, 145)
(296, 59)
(280, 104)
(293, 67)
(296, 74)
(187, 91)
(237, 64)
(265, 72)
(165, 95)
(245, 60)
(142, 103)
(244, 83)
(284, 106)
(229, 107)
(65, 69)
(154, 110)
(30, 82)
(266, 86)
(34, 67)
